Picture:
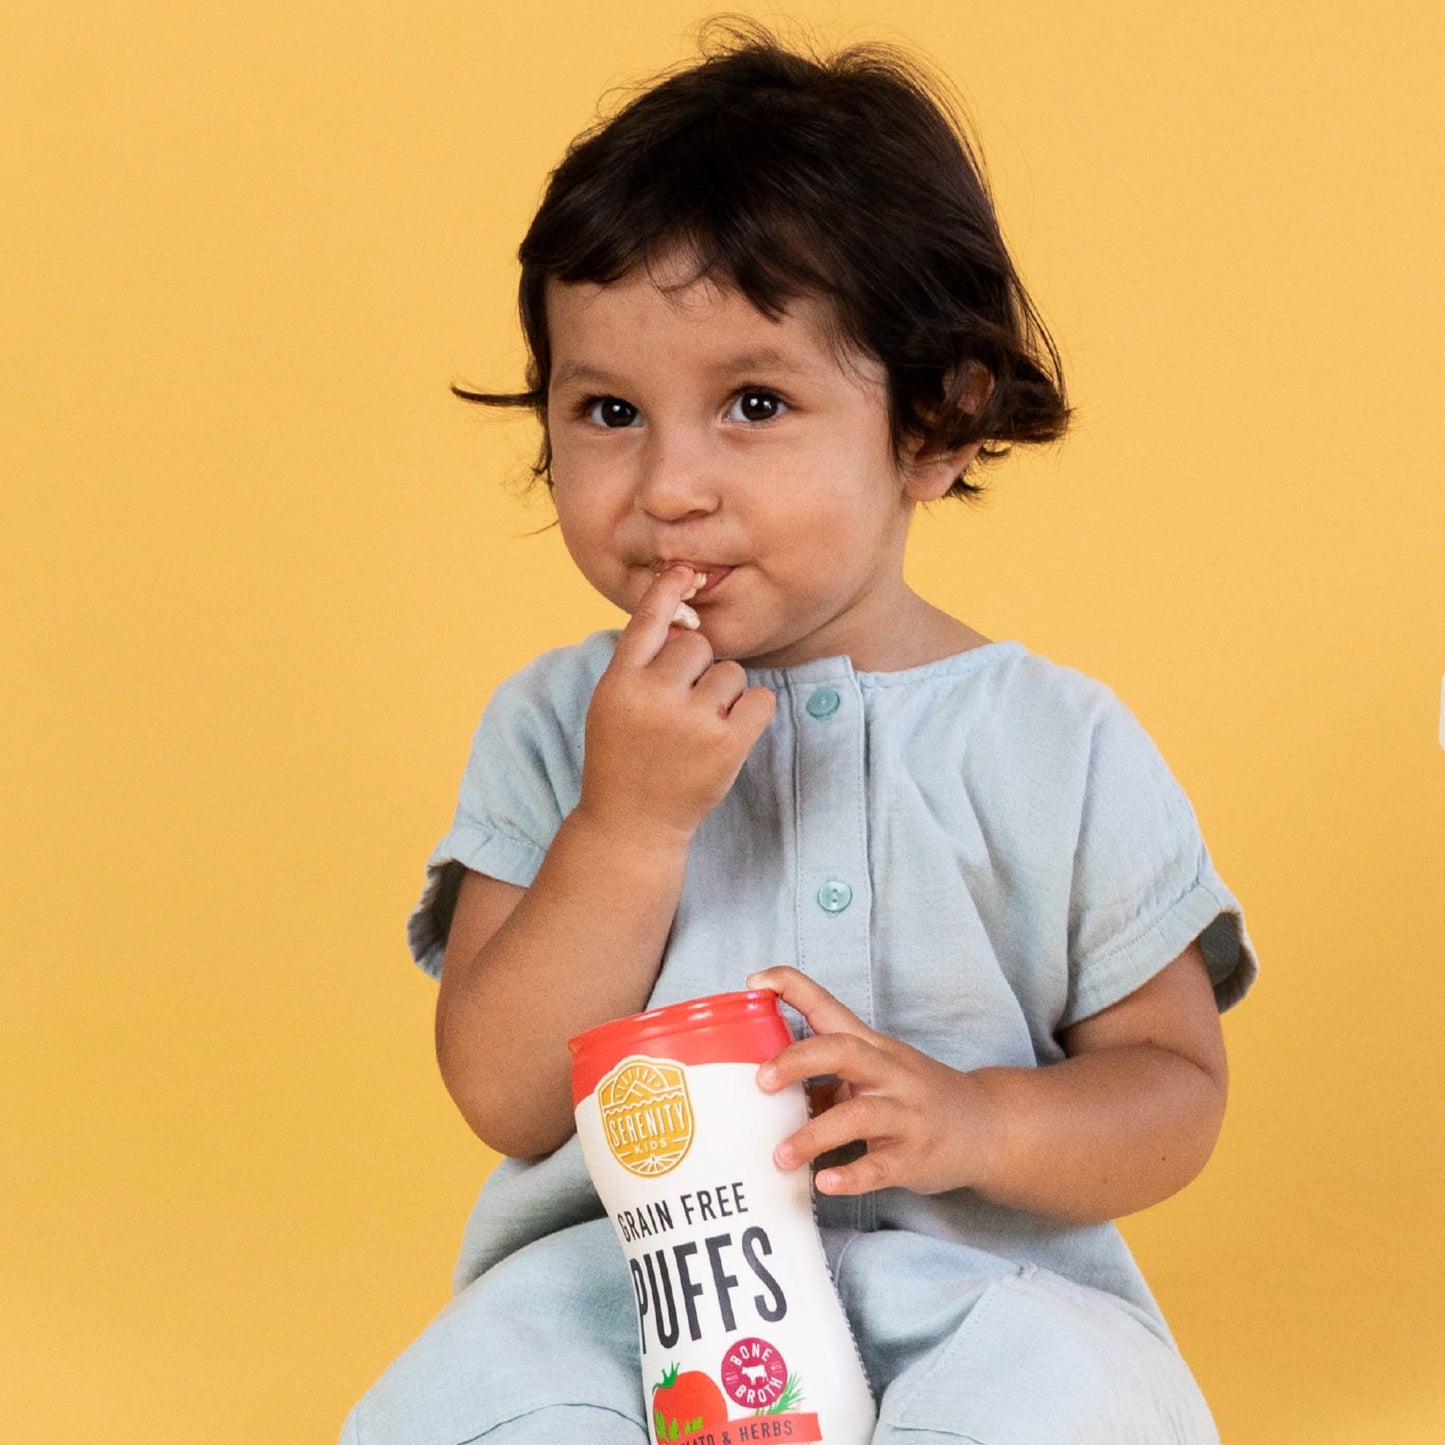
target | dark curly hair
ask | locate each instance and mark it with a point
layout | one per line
(848, 178)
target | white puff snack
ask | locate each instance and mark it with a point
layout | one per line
(685, 616)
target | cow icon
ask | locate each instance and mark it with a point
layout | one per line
(757, 1374)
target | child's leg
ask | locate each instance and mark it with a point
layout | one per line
(552, 1422)
(542, 1347)
(962, 1345)
(1038, 1358)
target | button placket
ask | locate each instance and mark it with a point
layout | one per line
(833, 899)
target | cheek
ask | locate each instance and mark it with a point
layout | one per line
(837, 509)
(592, 544)
(849, 474)
(577, 525)
(583, 540)
(588, 487)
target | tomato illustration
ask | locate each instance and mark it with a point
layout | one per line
(685, 1403)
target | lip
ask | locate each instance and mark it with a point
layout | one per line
(716, 573)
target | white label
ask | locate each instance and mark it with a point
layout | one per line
(741, 1332)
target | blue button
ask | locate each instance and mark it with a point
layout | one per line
(834, 896)
(824, 703)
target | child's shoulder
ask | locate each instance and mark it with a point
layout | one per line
(1066, 703)
(1006, 681)
(1018, 714)
(1069, 689)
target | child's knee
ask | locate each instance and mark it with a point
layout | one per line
(546, 1330)
(595, 1424)
(1040, 1358)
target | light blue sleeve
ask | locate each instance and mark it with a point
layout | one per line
(1144, 886)
(523, 776)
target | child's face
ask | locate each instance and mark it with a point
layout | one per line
(688, 427)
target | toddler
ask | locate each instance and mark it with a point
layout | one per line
(769, 312)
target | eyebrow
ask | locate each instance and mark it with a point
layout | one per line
(579, 371)
(768, 359)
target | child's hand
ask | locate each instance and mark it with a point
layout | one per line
(927, 1127)
(668, 728)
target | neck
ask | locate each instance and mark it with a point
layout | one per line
(916, 633)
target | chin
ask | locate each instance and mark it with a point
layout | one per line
(726, 645)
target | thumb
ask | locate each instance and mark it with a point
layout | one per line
(825, 1015)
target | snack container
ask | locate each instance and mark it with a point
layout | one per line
(742, 1334)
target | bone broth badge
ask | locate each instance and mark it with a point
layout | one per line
(647, 1115)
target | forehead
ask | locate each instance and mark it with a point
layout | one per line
(666, 315)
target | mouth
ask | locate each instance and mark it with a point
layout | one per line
(712, 574)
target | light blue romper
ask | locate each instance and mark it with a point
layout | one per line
(972, 855)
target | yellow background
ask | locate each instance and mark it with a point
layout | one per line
(260, 573)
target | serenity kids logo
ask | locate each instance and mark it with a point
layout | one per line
(646, 1115)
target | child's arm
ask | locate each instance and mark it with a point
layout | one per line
(525, 969)
(1129, 1118)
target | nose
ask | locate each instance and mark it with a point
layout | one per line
(675, 480)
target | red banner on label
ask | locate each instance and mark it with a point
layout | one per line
(794, 1426)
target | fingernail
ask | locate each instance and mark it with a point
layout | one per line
(686, 617)
(827, 1180)
(784, 1157)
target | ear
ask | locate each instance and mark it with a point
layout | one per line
(929, 475)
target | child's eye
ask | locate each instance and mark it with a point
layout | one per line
(755, 404)
(610, 411)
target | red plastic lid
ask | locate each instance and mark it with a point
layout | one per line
(724, 1028)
